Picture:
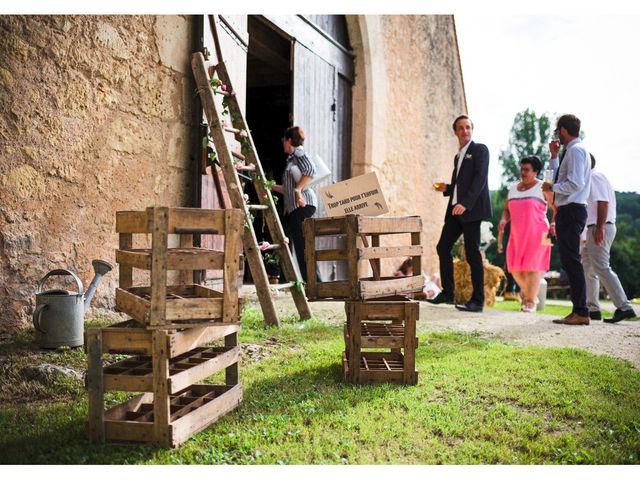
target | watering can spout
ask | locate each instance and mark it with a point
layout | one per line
(100, 267)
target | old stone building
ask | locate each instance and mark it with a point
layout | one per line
(100, 114)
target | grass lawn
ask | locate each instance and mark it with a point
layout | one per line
(556, 310)
(477, 402)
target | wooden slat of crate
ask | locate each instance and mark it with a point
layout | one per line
(329, 226)
(132, 222)
(212, 221)
(95, 385)
(193, 258)
(121, 338)
(233, 220)
(385, 287)
(135, 374)
(328, 255)
(388, 225)
(181, 304)
(225, 358)
(410, 376)
(126, 339)
(158, 276)
(386, 252)
(394, 308)
(331, 290)
(117, 428)
(207, 414)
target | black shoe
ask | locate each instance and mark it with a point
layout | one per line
(470, 307)
(440, 298)
(620, 315)
(596, 315)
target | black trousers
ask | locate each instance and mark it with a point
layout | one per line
(570, 222)
(293, 230)
(470, 231)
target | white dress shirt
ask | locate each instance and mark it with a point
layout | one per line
(601, 191)
(461, 154)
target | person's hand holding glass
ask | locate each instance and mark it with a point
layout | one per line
(438, 184)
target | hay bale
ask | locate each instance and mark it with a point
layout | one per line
(462, 281)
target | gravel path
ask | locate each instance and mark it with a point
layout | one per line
(620, 340)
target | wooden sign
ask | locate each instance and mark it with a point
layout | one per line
(361, 195)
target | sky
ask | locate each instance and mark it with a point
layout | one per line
(587, 65)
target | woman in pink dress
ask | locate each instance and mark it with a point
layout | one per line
(529, 247)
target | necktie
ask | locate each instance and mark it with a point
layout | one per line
(455, 169)
(562, 154)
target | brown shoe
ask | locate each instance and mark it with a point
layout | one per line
(562, 320)
(575, 319)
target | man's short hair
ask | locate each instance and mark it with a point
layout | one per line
(461, 117)
(571, 123)
(593, 161)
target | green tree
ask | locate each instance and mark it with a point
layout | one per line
(530, 135)
(625, 251)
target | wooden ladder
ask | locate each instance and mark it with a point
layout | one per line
(251, 164)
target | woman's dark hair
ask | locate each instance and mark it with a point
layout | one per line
(535, 162)
(296, 134)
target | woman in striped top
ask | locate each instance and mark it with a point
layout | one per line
(299, 201)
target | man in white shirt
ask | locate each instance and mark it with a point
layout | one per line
(571, 189)
(601, 231)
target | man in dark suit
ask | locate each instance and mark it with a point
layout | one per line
(469, 205)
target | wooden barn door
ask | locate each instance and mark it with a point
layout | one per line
(317, 92)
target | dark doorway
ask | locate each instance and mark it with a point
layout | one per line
(269, 105)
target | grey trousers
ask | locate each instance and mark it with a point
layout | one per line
(597, 269)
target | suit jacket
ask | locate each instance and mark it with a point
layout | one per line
(473, 185)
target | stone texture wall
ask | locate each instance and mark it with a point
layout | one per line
(95, 117)
(409, 83)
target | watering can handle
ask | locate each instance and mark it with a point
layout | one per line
(36, 317)
(61, 271)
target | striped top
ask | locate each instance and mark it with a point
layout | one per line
(298, 165)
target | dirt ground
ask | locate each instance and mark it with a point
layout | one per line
(620, 340)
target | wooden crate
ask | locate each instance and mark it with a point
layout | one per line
(161, 307)
(191, 410)
(362, 239)
(381, 324)
(167, 366)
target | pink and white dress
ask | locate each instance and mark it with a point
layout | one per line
(526, 250)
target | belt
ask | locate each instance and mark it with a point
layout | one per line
(593, 224)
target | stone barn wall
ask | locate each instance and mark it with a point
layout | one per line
(95, 117)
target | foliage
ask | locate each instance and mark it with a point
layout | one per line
(530, 135)
(477, 402)
(625, 251)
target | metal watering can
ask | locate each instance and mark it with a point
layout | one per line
(59, 314)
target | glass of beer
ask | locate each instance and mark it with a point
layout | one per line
(548, 176)
(437, 183)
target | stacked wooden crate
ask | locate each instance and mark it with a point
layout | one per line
(169, 326)
(380, 331)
